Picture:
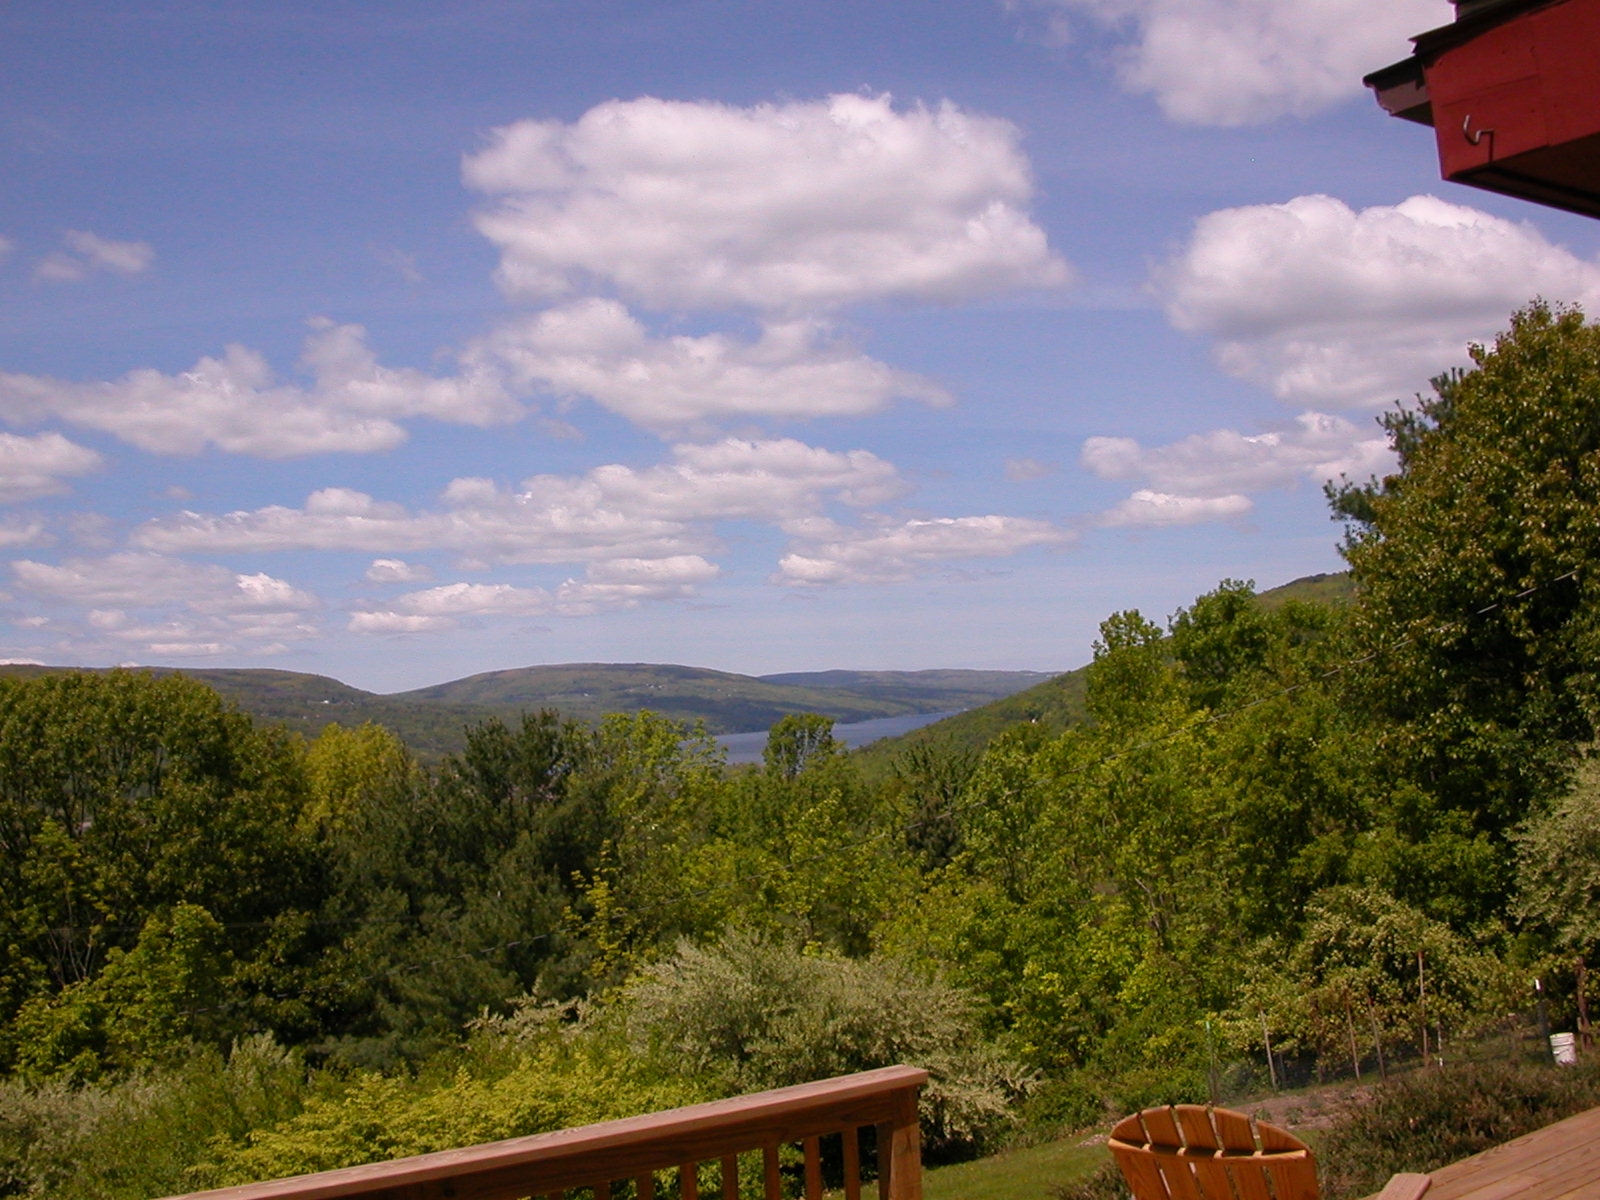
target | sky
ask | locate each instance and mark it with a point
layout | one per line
(398, 343)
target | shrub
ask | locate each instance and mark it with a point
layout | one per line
(139, 1137)
(750, 1014)
(1425, 1120)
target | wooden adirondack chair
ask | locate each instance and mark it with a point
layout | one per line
(1190, 1152)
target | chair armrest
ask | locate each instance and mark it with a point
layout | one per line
(1404, 1187)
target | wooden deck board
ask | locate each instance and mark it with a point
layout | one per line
(1558, 1162)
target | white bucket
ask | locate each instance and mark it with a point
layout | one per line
(1564, 1048)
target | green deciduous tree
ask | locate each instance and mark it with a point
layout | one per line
(1478, 572)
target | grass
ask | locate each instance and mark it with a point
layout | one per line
(1023, 1174)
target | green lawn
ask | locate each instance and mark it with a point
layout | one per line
(1015, 1174)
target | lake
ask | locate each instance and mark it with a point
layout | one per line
(747, 747)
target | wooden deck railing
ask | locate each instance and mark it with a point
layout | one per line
(594, 1157)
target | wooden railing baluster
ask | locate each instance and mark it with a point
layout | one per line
(730, 1177)
(645, 1186)
(813, 1149)
(771, 1181)
(885, 1137)
(852, 1164)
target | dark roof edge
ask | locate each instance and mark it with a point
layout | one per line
(1472, 19)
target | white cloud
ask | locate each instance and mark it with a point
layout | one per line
(441, 607)
(1148, 508)
(1328, 306)
(629, 582)
(1239, 62)
(235, 404)
(21, 531)
(34, 466)
(158, 605)
(611, 512)
(89, 252)
(796, 207)
(890, 552)
(1319, 447)
(394, 570)
(595, 348)
(1207, 476)
(393, 622)
(618, 583)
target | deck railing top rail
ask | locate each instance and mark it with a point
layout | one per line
(548, 1163)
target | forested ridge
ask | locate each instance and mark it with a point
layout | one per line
(228, 952)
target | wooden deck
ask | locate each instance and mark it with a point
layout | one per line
(1553, 1163)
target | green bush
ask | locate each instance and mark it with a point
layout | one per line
(1425, 1120)
(139, 1137)
(553, 1084)
(750, 1014)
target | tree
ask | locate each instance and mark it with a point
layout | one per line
(1477, 565)
(124, 795)
(798, 741)
(1558, 877)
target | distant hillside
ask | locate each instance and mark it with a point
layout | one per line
(726, 702)
(1059, 701)
(433, 720)
(937, 690)
(308, 703)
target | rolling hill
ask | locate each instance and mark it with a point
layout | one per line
(433, 720)
(1058, 701)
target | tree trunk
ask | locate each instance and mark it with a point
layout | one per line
(1585, 1039)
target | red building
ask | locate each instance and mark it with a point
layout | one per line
(1512, 90)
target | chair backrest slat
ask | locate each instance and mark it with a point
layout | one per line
(1190, 1152)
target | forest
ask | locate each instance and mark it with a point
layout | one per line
(229, 952)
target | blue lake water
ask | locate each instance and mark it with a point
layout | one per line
(747, 747)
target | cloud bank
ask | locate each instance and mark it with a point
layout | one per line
(235, 403)
(1207, 477)
(1328, 306)
(1243, 62)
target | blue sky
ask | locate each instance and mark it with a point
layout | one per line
(399, 343)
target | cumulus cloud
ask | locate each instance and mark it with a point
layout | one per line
(1319, 447)
(36, 466)
(87, 253)
(629, 582)
(394, 570)
(797, 207)
(1240, 62)
(796, 369)
(619, 583)
(236, 404)
(1207, 476)
(1150, 508)
(1324, 305)
(154, 604)
(827, 552)
(611, 512)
